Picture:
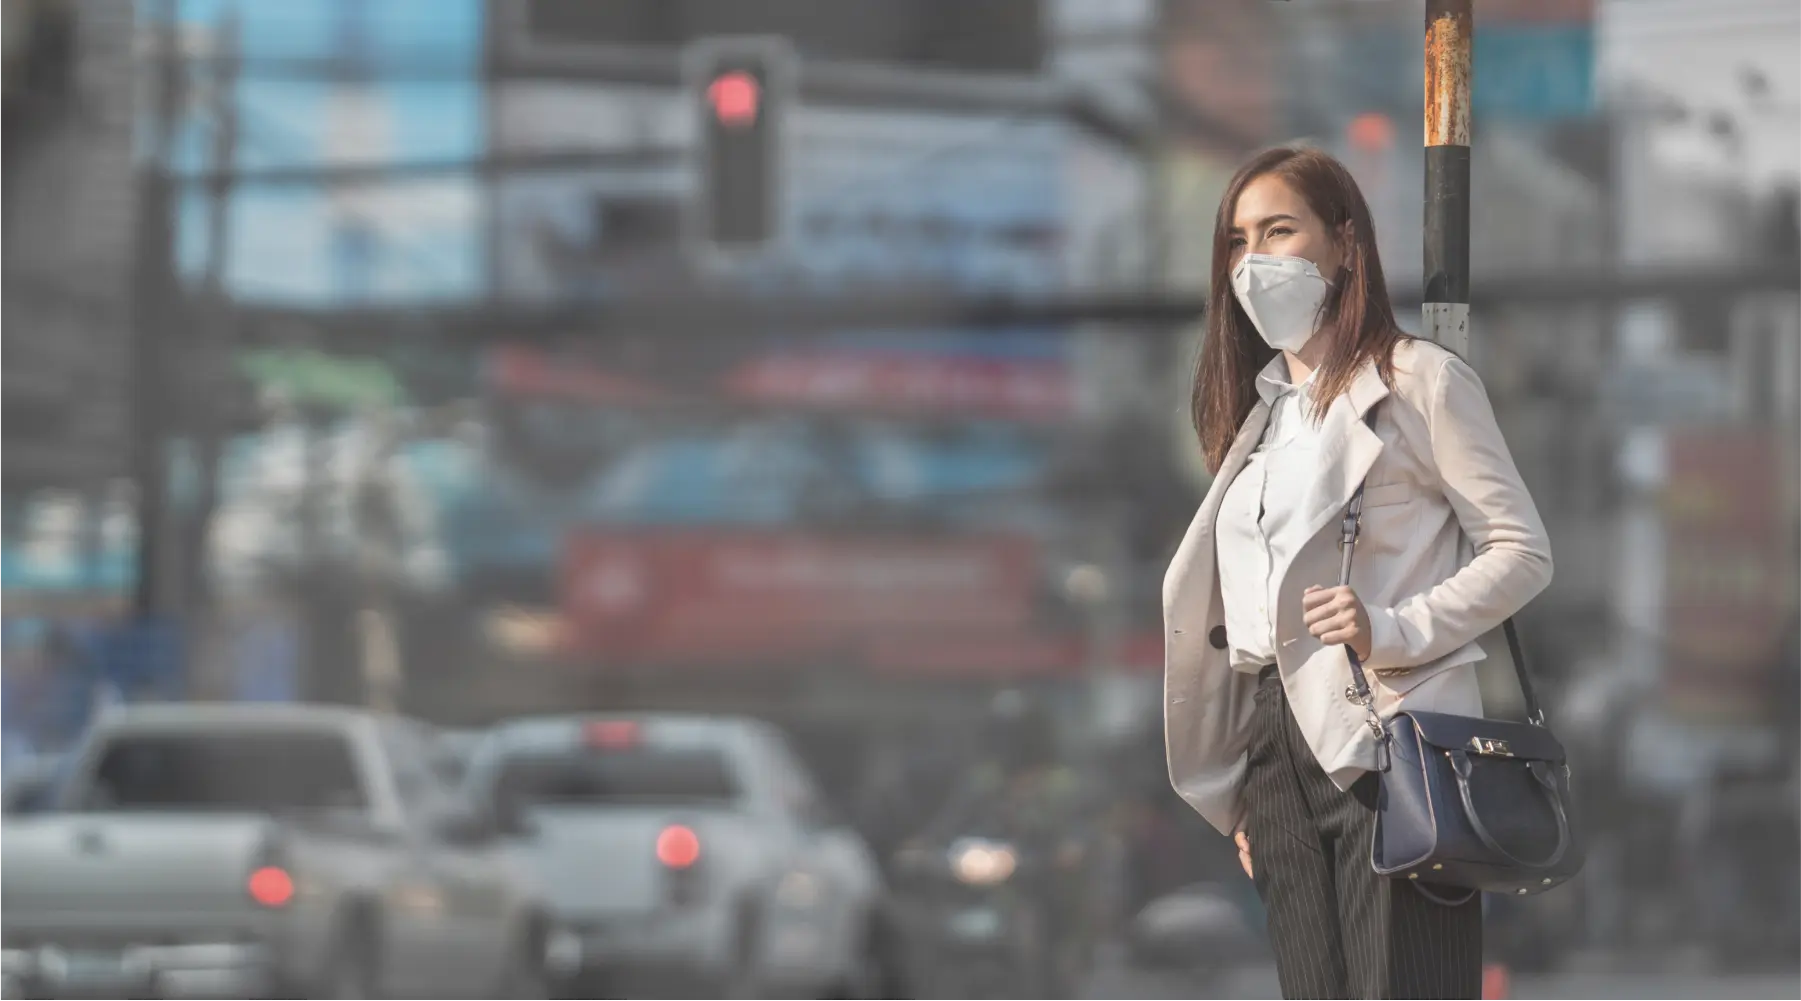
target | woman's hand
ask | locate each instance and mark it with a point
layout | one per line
(1243, 841)
(1335, 615)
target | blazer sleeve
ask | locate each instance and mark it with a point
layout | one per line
(1512, 562)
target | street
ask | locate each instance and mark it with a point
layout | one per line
(1259, 983)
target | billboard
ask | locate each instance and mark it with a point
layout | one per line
(1729, 573)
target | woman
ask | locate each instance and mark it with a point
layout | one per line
(1306, 388)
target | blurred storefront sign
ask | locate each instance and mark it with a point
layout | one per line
(311, 377)
(531, 373)
(1729, 578)
(871, 379)
(1534, 71)
(719, 598)
(1024, 389)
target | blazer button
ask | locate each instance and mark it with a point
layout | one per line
(1217, 637)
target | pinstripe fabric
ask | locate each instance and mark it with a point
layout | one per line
(1338, 929)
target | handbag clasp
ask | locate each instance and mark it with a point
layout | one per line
(1489, 745)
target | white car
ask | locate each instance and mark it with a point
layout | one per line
(686, 852)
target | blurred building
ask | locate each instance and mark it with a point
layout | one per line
(65, 240)
(1707, 157)
(68, 218)
(66, 549)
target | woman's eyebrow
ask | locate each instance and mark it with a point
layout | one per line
(1266, 220)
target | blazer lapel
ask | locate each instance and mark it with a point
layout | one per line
(1348, 448)
(1194, 558)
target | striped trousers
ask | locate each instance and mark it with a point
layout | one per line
(1338, 929)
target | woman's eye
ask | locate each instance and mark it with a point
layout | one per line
(1281, 231)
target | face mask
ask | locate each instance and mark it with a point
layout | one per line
(1282, 296)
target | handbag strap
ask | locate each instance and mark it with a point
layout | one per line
(1349, 528)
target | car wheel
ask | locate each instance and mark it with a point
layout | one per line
(524, 976)
(348, 978)
(747, 949)
(867, 978)
(352, 968)
(873, 972)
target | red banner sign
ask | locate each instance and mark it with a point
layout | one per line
(1029, 389)
(528, 372)
(726, 599)
(1023, 389)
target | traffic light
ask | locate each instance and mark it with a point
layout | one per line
(741, 88)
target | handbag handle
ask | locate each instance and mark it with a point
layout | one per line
(1349, 528)
(1460, 764)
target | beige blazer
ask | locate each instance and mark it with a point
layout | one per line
(1451, 546)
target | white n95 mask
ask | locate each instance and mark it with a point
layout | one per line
(1282, 296)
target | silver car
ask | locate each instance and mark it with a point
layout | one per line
(686, 852)
(246, 851)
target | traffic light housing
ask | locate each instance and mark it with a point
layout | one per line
(741, 90)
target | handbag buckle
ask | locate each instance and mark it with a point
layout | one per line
(1489, 745)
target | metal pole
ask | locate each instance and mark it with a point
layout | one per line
(210, 360)
(1445, 314)
(152, 300)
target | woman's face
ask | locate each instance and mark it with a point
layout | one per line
(1271, 218)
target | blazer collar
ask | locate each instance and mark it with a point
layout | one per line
(1348, 448)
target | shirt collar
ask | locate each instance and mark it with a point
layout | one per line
(1273, 382)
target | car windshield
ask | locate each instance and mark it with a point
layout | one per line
(255, 772)
(602, 777)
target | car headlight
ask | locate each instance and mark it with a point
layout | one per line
(979, 862)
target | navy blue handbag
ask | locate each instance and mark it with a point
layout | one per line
(1466, 804)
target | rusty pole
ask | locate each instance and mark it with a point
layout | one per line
(1445, 314)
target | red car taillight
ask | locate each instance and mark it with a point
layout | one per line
(678, 852)
(270, 883)
(270, 886)
(678, 847)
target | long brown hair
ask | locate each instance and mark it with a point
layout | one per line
(1358, 319)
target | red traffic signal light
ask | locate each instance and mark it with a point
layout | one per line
(735, 97)
(741, 88)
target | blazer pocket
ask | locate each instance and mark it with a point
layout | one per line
(1385, 494)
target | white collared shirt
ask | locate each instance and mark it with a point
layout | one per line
(1260, 528)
